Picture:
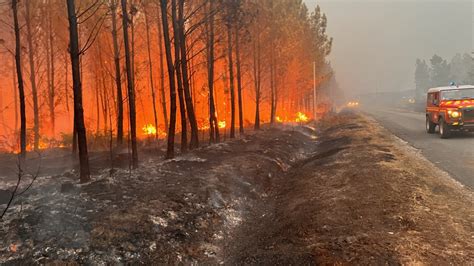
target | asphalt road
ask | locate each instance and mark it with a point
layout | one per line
(454, 155)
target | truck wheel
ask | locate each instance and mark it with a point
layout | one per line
(430, 126)
(444, 130)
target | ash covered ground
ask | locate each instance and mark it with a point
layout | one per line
(345, 192)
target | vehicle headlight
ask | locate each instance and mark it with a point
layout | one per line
(454, 114)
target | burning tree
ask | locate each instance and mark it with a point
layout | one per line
(234, 62)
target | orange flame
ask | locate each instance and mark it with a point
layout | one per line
(221, 124)
(149, 130)
(301, 117)
(298, 118)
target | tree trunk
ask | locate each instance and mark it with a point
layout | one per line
(130, 86)
(179, 78)
(74, 133)
(272, 69)
(239, 81)
(272, 85)
(150, 70)
(231, 78)
(132, 46)
(213, 124)
(51, 71)
(162, 75)
(187, 91)
(21, 89)
(257, 75)
(118, 81)
(66, 83)
(97, 105)
(169, 61)
(104, 100)
(15, 93)
(77, 88)
(29, 39)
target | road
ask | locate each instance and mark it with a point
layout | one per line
(454, 155)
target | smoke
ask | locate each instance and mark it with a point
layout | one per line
(376, 43)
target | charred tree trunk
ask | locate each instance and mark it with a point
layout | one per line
(15, 93)
(272, 69)
(169, 61)
(34, 89)
(257, 77)
(179, 79)
(272, 86)
(130, 86)
(77, 88)
(97, 105)
(162, 75)
(51, 72)
(239, 81)
(275, 88)
(74, 133)
(21, 89)
(213, 124)
(231, 78)
(150, 70)
(187, 91)
(118, 81)
(66, 83)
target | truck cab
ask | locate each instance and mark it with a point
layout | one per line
(451, 109)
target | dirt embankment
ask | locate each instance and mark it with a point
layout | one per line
(355, 194)
(365, 197)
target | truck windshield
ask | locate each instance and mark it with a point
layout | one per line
(458, 94)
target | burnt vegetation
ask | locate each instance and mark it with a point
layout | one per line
(87, 74)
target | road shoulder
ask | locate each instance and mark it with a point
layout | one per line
(365, 197)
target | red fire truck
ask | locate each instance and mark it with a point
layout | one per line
(451, 108)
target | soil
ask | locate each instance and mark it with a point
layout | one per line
(344, 192)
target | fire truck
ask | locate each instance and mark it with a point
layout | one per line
(451, 109)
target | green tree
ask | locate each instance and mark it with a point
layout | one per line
(422, 79)
(439, 71)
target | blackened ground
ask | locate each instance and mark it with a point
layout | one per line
(184, 209)
(348, 192)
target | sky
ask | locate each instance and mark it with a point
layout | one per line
(376, 43)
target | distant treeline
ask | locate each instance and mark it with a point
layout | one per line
(438, 72)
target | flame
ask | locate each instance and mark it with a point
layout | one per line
(149, 129)
(301, 117)
(205, 125)
(221, 124)
(298, 118)
(43, 145)
(13, 248)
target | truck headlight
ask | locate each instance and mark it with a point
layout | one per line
(454, 114)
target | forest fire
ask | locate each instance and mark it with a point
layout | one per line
(149, 130)
(37, 113)
(299, 117)
(221, 124)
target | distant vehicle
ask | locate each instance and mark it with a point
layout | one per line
(353, 104)
(450, 108)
